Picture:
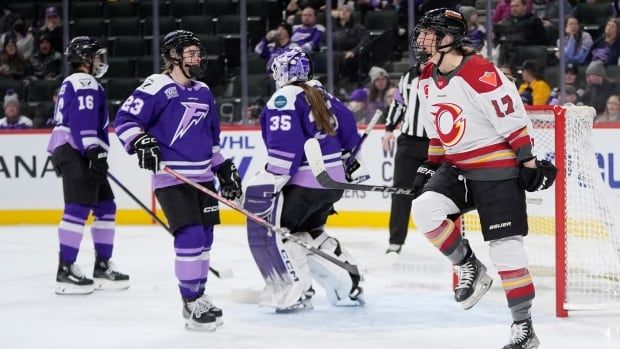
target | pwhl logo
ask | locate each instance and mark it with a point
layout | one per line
(194, 113)
(449, 123)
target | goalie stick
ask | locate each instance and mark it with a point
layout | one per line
(352, 269)
(312, 148)
(367, 131)
(222, 273)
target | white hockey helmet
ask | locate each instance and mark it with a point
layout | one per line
(290, 66)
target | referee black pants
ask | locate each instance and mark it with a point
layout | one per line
(410, 154)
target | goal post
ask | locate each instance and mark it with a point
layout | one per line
(573, 243)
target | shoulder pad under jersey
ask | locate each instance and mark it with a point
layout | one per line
(155, 83)
(284, 98)
(82, 81)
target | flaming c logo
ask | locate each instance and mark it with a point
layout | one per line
(449, 123)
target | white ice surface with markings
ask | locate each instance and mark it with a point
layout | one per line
(409, 305)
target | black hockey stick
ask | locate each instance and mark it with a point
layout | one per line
(352, 269)
(367, 131)
(314, 155)
(221, 275)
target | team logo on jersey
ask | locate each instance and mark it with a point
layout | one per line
(85, 82)
(171, 92)
(280, 101)
(194, 113)
(489, 78)
(449, 123)
(426, 91)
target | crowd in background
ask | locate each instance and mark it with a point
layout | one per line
(367, 63)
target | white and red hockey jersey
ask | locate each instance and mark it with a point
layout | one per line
(475, 119)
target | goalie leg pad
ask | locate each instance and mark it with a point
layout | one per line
(282, 264)
(342, 288)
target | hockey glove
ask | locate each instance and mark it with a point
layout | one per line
(539, 178)
(424, 173)
(230, 182)
(148, 152)
(355, 170)
(97, 165)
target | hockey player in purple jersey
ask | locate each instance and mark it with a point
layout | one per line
(172, 119)
(288, 195)
(79, 147)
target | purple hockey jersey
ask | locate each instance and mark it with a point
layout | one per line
(81, 114)
(185, 122)
(308, 38)
(286, 124)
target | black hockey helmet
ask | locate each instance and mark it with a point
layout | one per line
(84, 49)
(172, 50)
(442, 21)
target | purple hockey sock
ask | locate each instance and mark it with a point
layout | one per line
(205, 257)
(189, 241)
(70, 231)
(103, 229)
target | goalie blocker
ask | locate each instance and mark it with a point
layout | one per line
(287, 268)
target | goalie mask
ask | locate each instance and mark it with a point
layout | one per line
(173, 52)
(425, 41)
(291, 66)
(83, 49)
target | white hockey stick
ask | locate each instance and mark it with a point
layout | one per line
(367, 131)
(314, 155)
(352, 269)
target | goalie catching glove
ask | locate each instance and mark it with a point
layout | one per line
(230, 182)
(540, 178)
(148, 152)
(424, 173)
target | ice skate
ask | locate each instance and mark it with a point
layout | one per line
(394, 248)
(522, 336)
(198, 316)
(212, 309)
(303, 304)
(71, 280)
(473, 282)
(107, 278)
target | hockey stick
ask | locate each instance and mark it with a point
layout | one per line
(315, 160)
(352, 269)
(367, 131)
(222, 274)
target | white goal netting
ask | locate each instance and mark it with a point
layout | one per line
(590, 223)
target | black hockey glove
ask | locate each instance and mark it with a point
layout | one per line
(148, 152)
(424, 173)
(539, 178)
(97, 165)
(230, 182)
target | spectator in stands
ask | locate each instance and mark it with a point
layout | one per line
(358, 104)
(534, 84)
(525, 28)
(12, 64)
(476, 33)
(295, 6)
(571, 78)
(308, 34)
(571, 96)
(44, 114)
(23, 37)
(599, 86)
(607, 48)
(502, 11)
(6, 17)
(379, 85)
(46, 63)
(578, 42)
(12, 118)
(274, 43)
(53, 27)
(348, 39)
(611, 112)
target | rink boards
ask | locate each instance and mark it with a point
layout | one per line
(31, 193)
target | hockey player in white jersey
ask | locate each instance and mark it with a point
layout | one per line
(480, 157)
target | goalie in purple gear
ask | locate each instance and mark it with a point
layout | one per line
(172, 119)
(287, 194)
(79, 146)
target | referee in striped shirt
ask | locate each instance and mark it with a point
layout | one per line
(411, 152)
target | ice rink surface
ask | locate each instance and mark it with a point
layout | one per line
(409, 305)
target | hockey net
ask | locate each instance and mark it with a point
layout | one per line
(574, 227)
